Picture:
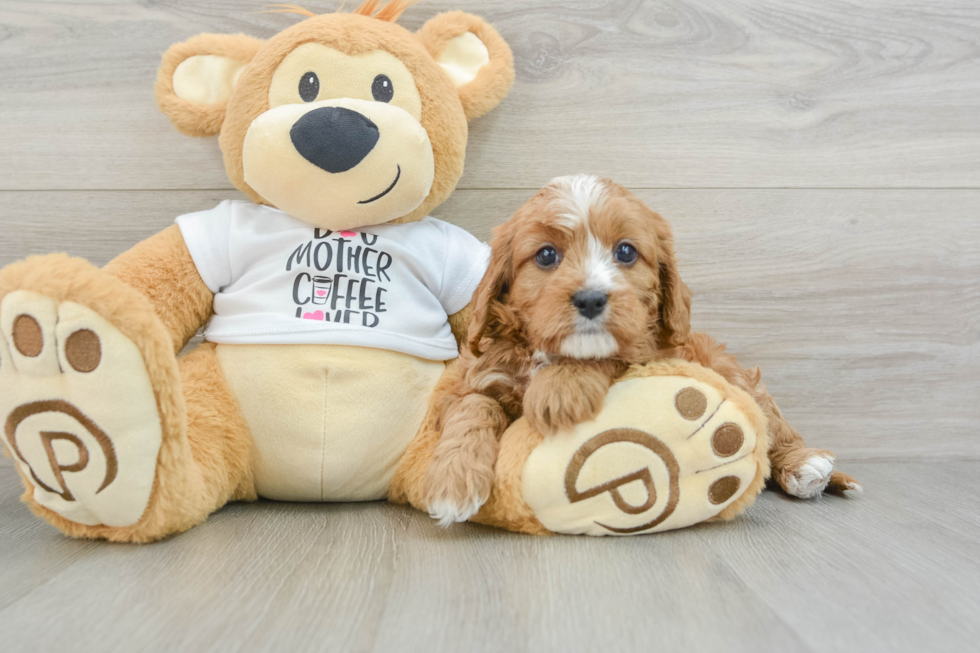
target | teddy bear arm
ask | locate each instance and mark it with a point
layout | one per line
(161, 268)
(460, 322)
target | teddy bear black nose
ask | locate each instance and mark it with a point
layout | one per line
(590, 303)
(334, 138)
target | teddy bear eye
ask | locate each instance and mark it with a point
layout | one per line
(381, 89)
(309, 87)
(626, 253)
(547, 257)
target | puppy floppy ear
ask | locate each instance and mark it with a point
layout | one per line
(196, 79)
(674, 307)
(473, 54)
(494, 284)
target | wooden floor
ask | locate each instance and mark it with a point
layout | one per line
(894, 570)
(820, 163)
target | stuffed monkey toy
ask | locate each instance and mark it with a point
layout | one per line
(333, 306)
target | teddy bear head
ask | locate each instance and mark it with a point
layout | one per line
(343, 120)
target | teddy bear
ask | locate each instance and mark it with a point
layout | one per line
(332, 307)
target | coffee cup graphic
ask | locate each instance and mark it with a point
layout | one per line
(321, 289)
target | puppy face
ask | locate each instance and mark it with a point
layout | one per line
(588, 272)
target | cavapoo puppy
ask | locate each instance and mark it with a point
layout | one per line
(582, 284)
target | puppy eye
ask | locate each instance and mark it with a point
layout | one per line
(381, 89)
(309, 87)
(547, 257)
(626, 253)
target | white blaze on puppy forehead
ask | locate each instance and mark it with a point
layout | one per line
(575, 197)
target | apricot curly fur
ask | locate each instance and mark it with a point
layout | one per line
(521, 311)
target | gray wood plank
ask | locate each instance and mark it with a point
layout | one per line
(892, 570)
(861, 307)
(690, 93)
(282, 573)
(888, 571)
(97, 225)
(527, 594)
(33, 552)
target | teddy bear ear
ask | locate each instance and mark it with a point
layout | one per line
(196, 79)
(474, 55)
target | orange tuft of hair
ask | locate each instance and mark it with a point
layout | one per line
(390, 12)
(288, 9)
(367, 8)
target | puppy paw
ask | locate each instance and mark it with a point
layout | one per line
(558, 399)
(841, 483)
(460, 478)
(452, 502)
(446, 512)
(460, 475)
(809, 476)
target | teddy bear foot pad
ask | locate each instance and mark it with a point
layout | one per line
(666, 452)
(78, 410)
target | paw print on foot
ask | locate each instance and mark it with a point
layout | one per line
(664, 453)
(77, 410)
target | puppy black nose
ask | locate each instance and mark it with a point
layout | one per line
(334, 138)
(590, 303)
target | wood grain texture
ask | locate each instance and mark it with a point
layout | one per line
(680, 93)
(879, 554)
(890, 571)
(861, 307)
(820, 163)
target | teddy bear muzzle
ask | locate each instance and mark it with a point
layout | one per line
(339, 164)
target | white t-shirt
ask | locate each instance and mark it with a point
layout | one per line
(278, 280)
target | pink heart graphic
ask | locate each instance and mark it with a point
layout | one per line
(317, 315)
(348, 234)
(321, 293)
